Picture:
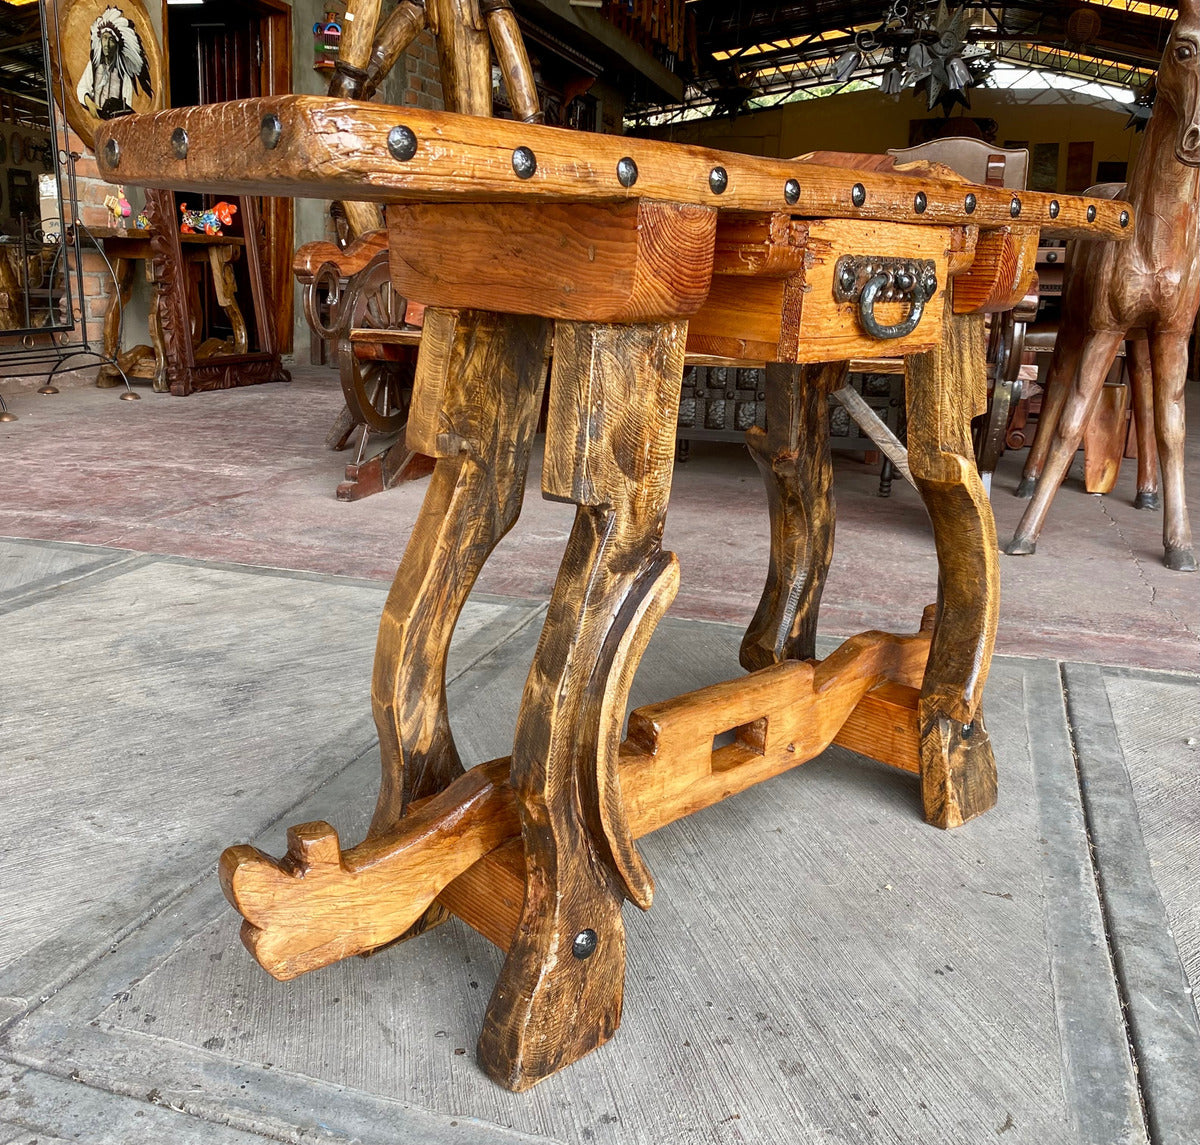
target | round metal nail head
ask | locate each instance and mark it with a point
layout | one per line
(858, 194)
(920, 202)
(402, 143)
(1054, 208)
(524, 163)
(791, 192)
(179, 143)
(270, 131)
(584, 945)
(627, 172)
(970, 203)
(718, 180)
(112, 153)
(1091, 213)
(1014, 208)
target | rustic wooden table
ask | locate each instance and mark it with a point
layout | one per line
(125, 248)
(629, 253)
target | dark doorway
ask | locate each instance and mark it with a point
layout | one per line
(238, 49)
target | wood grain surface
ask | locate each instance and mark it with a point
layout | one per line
(945, 389)
(792, 454)
(610, 445)
(463, 849)
(336, 149)
(589, 262)
(476, 398)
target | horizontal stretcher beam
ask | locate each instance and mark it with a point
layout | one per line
(317, 147)
(463, 847)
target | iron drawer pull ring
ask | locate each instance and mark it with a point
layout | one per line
(917, 296)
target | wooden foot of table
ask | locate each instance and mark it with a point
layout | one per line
(610, 444)
(946, 388)
(476, 399)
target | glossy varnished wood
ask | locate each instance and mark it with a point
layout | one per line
(1145, 289)
(336, 149)
(610, 445)
(462, 847)
(945, 389)
(793, 456)
(602, 262)
(475, 404)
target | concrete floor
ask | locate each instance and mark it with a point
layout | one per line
(1026, 979)
(242, 475)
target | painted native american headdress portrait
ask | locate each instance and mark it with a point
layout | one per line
(116, 69)
(107, 54)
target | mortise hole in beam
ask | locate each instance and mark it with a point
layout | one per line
(750, 737)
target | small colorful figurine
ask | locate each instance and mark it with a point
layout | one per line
(118, 206)
(207, 222)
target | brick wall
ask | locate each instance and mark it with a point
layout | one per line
(91, 191)
(422, 77)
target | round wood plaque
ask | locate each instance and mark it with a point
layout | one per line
(106, 54)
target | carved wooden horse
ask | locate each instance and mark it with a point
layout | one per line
(1146, 290)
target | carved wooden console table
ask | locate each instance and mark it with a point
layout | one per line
(630, 252)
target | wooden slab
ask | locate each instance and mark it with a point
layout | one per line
(334, 149)
(591, 262)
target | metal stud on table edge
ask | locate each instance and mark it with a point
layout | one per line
(524, 163)
(627, 172)
(791, 192)
(270, 131)
(718, 180)
(112, 152)
(402, 143)
(858, 194)
(920, 202)
(179, 143)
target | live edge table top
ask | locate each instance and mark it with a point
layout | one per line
(497, 215)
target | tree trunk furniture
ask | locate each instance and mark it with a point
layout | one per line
(630, 259)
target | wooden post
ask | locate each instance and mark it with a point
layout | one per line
(610, 444)
(945, 389)
(476, 399)
(793, 455)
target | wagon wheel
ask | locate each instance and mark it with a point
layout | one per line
(377, 391)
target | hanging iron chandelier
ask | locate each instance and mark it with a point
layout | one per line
(927, 45)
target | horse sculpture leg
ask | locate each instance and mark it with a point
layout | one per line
(1063, 367)
(1094, 363)
(1169, 352)
(1141, 382)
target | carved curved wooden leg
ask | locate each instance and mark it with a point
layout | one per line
(1064, 364)
(224, 279)
(1169, 352)
(118, 301)
(945, 389)
(1141, 382)
(610, 444)
(1082, 393)
(476, 399)
(793, 455)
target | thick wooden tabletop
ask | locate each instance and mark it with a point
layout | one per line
(313, 146)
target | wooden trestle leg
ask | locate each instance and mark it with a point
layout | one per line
(945, 388)
(476, 399)
(610, 444)
(793, 455)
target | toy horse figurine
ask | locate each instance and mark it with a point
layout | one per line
(1146, 290)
